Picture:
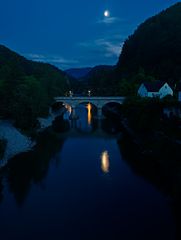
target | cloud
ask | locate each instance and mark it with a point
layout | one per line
(107, 47)
(109, 20)
(55, 60)
(103, 50)
(110, 48)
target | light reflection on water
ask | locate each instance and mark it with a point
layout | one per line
(105, 163)
(89, 114)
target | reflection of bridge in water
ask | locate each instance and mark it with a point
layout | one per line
(99, 102)
(98, 133)
(92, 127)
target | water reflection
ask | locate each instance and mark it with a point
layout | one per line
(105, 162)
(32, 167)
(89, 114)
(85, 123)
(1, 189)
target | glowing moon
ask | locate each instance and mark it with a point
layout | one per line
(106, 13)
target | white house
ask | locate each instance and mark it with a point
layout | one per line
(155, 89)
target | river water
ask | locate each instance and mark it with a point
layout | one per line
(78, 186)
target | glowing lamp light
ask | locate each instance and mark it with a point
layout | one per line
(70, 93)
(89, 115)
(68, 108)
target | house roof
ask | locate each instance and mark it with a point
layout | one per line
(154, 86)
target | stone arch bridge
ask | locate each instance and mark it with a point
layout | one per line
(99, 102)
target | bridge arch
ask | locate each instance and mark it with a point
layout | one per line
(99, 102)
(112, 102)
(112, 108)
(87, 102)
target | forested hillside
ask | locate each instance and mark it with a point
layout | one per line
(27, 88)
(78, 73)
(101, 80)
(155, 48)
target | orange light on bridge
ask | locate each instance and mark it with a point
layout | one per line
(69, 108)
(89, 114)
(105, 162)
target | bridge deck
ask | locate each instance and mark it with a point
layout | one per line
(90, 98)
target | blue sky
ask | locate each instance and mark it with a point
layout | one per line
(73, 33)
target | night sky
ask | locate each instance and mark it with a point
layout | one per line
(73, 33)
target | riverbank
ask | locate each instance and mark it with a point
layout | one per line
(47, 122)
(16, 142)
(151, 152)
(154, 154)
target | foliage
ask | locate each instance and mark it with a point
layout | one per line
(27, 88)
(156, 47)
(125, 88)
(143, 114)
(101, 81)
(146, 116)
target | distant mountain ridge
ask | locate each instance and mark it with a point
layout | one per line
(78, 72)
(97, 70)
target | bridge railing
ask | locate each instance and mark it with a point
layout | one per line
(89, 98)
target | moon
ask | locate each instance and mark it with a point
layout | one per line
(106, 13)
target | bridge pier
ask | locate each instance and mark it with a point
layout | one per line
(99, 124)
(99, 113)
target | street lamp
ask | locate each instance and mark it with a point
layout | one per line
(89, 93)
(70, 93)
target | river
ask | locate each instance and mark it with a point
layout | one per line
(78, 186)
